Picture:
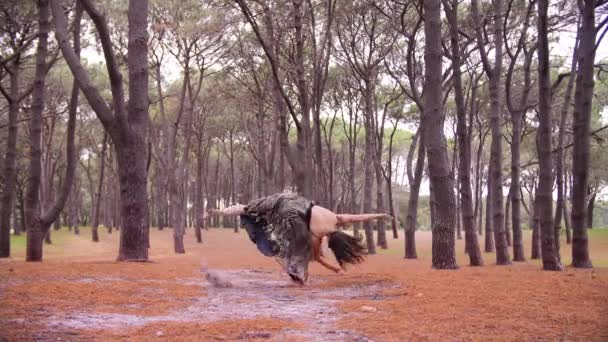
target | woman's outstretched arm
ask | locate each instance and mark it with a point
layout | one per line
(235, 210)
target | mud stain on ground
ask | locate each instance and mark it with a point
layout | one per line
(251, 294)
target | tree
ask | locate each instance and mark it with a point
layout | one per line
(544, 194)
(496, 95)
(560, 210)
(19, 25)
(583, 96)
(411, 221)
(364, 41)
(518, 110)
(309, 93)
(126, 125)
(442, 193)
(37, 221)
(97, 202)
(464, 148)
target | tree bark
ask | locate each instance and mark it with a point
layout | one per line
(583, 96)
(442, 191)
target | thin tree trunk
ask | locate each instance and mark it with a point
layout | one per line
(590, 206)
(564, 204)
(10, 163)
(507, 216)
(368, 167)
(411, 220)
(515, 191)
(102, 167)
(534, 224)
(489, 238)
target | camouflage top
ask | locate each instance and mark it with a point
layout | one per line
(285, 219)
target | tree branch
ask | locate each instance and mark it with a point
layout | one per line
(73, 61)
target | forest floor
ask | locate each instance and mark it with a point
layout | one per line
(80, 293)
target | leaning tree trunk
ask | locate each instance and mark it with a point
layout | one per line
(583, 96)
(442, 191)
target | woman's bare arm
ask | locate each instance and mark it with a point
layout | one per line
(235, 210)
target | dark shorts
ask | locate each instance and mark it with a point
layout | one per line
(256, 234)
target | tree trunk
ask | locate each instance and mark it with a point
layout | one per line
(233, 180)
(10, 163)
(368, 168)
(38, 222)
(97, 203)
(518, 245)
(534, 223)
(126, 125)
(560, 210)
(496, 96)
(464, 147)
(564, 204)
(380, 225)
(544, 194)
(489, 241)
(583, 96)
(590, 206)
(411, 221)
(442, 191)
(507, 216)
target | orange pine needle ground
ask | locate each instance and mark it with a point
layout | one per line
(386, 298)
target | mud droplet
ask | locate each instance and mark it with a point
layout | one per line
(366, 308)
